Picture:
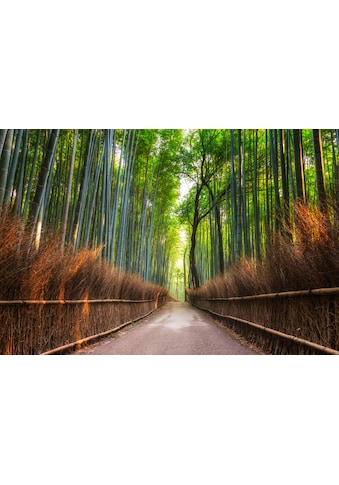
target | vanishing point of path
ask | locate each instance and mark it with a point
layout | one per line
(175, 329)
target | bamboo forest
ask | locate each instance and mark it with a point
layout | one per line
(233, 211)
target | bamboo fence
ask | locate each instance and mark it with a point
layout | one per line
(30, 327)
(293, 322)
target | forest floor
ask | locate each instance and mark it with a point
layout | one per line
(177, 328)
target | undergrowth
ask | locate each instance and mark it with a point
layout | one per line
(302, 257)
(47, 273)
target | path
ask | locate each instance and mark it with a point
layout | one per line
(175, 329)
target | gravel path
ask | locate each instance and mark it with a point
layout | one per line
(175, 329)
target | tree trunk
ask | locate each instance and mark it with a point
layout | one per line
(319, 169)
(68, 195)
(43, 176)
(4, 164)
(193, 264)
(299, 166)
(284, 177)
(21, 178)
(3, 134)
(256, 208)
(275, 170)
(217, 215)
(13, 166)
(235, 246)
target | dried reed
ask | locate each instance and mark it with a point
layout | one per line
(47, 273)
(305, 258)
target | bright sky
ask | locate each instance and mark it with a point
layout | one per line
(185, 185)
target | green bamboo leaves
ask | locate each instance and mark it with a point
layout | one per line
(246, 184)
(118, 190)
(110, 189)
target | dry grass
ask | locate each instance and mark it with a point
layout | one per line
(47, 274)
(306, 258)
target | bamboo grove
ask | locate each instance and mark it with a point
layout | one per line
(96, 188)
(118, 190)
(246, 186)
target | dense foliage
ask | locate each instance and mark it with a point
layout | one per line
(245, 185)
(119, 190)
(108, 189)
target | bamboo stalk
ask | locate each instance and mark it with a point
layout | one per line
(285, 294)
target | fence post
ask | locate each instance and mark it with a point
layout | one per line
(156, 300)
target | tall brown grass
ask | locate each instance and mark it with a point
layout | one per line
(305, 257)
(46, 273)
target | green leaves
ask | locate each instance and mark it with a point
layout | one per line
(119, 189)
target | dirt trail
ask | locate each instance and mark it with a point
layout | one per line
(175, 329)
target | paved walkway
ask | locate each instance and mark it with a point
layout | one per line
(175, 329)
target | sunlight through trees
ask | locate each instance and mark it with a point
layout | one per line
(177, 207)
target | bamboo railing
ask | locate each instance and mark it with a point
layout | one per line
(292, 322)
(30, 327)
